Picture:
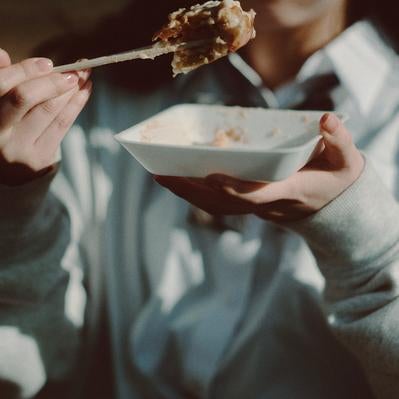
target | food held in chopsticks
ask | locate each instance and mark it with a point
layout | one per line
(196, 36)
(223, 26)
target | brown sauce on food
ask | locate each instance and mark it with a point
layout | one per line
(224, 25)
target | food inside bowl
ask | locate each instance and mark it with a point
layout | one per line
(232, 130)
(194, 140)
(228, 137)
(222, 27)
(222, 138)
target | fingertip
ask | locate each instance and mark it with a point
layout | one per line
(88, 86)
(5, 59)
(329, 123)
(44, 65)
(84, 75)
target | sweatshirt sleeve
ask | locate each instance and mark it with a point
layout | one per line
(355, 240)
(38, 342)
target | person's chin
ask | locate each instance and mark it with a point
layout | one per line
(272, 22)
(275, 16)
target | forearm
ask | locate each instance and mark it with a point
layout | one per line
(356, 243)
(39, 340)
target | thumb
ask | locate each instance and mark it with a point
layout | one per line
(339, 147)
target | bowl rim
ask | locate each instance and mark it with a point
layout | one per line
(248, 148)
(205, 148)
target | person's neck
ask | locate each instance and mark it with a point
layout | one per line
(278, 55)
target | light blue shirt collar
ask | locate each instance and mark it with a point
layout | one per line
(363, 63)
(359, 57)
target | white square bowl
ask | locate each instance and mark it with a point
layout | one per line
(176, 141)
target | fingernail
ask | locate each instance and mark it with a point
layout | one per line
(329, 122)
(71, 78)
(84, 73)
(44, 64)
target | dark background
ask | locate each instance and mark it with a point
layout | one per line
(24, 24)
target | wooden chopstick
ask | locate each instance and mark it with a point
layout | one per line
(149, 52)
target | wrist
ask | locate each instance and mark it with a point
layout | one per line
(13, 174)
(18, 174)
(20, 203)
(342, 231)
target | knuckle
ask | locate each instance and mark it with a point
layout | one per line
(49, 107)
(345, 137)
(26, 68)
(348, 140)
(20, 98)
(63, 122)
(58, 83)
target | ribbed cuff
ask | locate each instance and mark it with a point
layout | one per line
(20, 204)
(355, 229)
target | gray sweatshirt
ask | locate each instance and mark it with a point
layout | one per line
(254, 310)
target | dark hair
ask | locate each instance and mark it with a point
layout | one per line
(136, 24)
(132, 28)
